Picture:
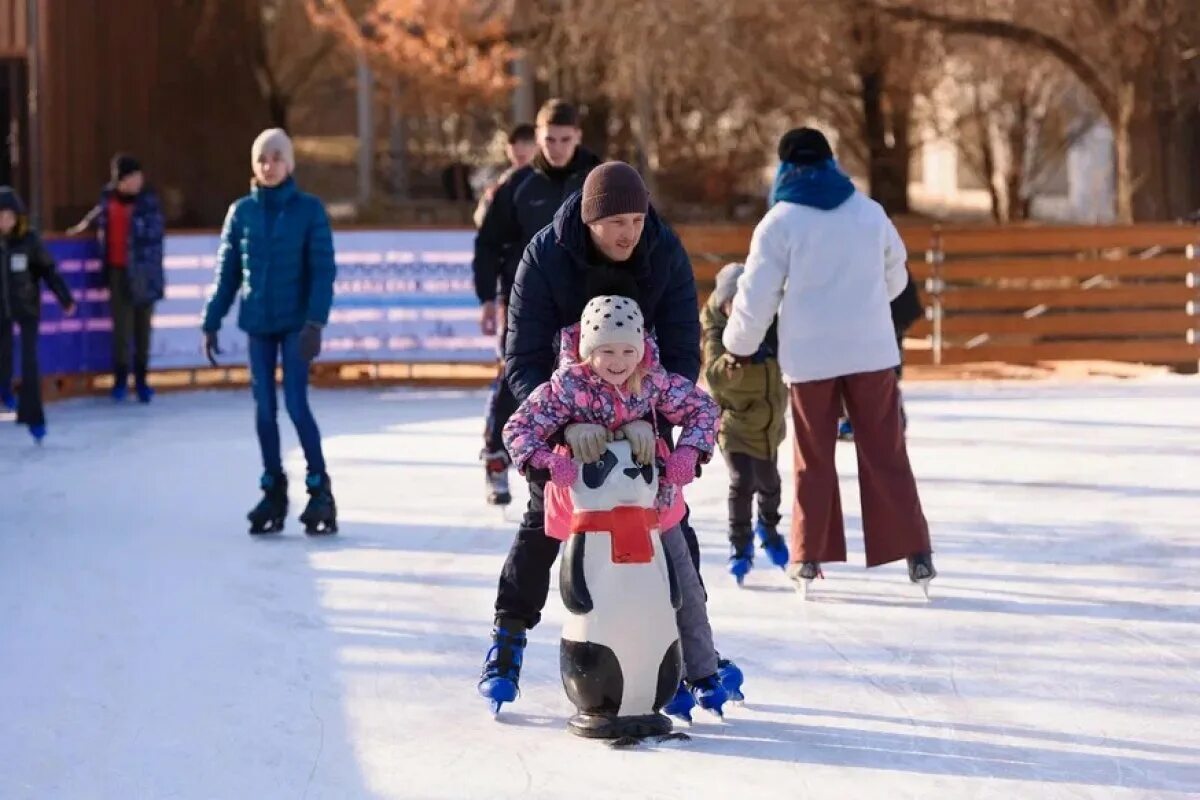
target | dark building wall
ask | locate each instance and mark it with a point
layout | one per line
(170, 81)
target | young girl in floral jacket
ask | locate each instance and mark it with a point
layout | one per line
(609, 375)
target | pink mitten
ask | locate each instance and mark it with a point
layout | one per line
(681, 466)
(563, 470)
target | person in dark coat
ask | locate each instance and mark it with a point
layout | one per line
(607, 239)
(128, 222)
(522, 205)
(25, 266)
(278, 242)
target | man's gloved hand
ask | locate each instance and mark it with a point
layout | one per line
(211, 348)
(310, 341)
(563, 471)
(641, 438)
(587, 442)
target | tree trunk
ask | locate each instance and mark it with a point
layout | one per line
(1018, 141)
(887, 162)
(1123, 141)
(397, 143)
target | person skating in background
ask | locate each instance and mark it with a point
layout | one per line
(520, 207)
(609, 375)
(828, 261)
(278, 240)
(25, 266)
(753, 403)
(906, 310)
(521, 147)
(128, 222)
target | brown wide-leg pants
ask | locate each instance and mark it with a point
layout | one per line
(894, 525)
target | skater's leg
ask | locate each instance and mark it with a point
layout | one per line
(6, 355)
(143, 315)
(29, 405)
(817, 528)
(525, 578)
(894, 524)
(770, 490)
(295, 398)
(264, 355)
(741, 500)
(120, 303)
(693, 544)
(695, 632)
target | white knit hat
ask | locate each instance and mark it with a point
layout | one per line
(274, 140)
(611, 319)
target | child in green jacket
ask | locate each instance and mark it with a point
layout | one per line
(754, 403)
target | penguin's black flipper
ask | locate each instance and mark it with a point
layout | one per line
(572, 582)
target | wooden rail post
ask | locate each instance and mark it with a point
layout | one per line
(934, 285)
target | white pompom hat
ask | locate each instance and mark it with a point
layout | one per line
(611, 319)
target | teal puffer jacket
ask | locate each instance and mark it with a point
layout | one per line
(276, 254)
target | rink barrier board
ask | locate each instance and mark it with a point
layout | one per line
(1030, 294)
(1017, 294)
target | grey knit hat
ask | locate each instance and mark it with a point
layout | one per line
(613, 188)
(727, 279)
(274, 140)
(611, 319)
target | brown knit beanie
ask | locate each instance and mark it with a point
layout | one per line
(613, 188)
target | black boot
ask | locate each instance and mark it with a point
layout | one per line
(920, 568)
(320, 515)
(268, 515)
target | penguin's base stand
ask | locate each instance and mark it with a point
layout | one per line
(598, 726)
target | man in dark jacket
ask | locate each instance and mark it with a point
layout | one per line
(605, 240)
(129, 226)
(24, 267)
(522, 205)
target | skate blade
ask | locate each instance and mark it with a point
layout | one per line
(625, 743)
(803, 588)
(671, 739)
(321, 528)
(924, 584)
(680, 719)
(272, 526)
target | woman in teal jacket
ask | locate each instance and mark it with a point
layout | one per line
(276, 254)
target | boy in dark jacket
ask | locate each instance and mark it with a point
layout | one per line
(129, 227)
(523, 204)
(24, 267)
(754, 403)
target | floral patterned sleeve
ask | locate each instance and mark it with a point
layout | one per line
(533, 424)
(685, 404)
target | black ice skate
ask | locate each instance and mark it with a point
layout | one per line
(320, 515)
(921, 571)
(268, 515)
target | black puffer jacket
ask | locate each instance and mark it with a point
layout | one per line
(560, 271)
(524, 204)
(24, 267)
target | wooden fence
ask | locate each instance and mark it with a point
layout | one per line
(1032, 294)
